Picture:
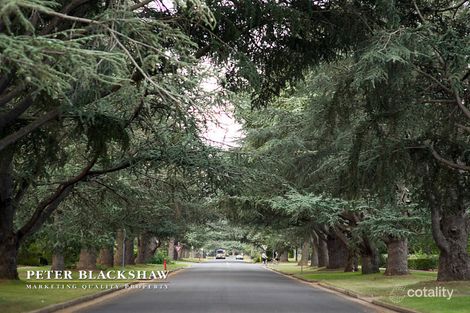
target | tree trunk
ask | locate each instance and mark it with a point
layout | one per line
(58, 260)
(304, 258)
(454, 261)
(9, 243)
(350, 261)
(87, 259)
(105, 258)
(322, 253)
(337, 253)
(370, 257)
(147, 246)
(129, 255)
(450, 223)
(171, 249)
(284, 257)
(397, 261)
(8, 257)
(118, 254)
(314, 259)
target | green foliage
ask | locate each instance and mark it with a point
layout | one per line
(424, 264)
(160, 256)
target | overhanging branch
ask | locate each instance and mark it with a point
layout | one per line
(448, 163)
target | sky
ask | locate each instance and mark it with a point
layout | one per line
(223, 130)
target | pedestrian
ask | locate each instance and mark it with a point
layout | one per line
(264, 258)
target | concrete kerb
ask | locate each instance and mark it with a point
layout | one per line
(81, 300)
(347, 293)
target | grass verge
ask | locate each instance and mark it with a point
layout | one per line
(394, 290)
(21, 296)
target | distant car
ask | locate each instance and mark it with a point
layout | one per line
(239, 257)
(220, 254)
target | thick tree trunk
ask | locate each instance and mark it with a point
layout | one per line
(87, 259)
(322, 253)
(450, 222)
(130, 258)
(349, 267)
(304, 258)
(314, 259)
(8, 257)
(9, 243)
(284, 257)
(147, 246)
(370, 258)
(58, 260)
(105, 257)
(337, 253)
(454, 261)
(171, 249)
(397, 261)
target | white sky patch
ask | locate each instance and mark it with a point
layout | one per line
(224, 131)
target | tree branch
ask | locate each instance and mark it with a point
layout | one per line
(16, 136)
(139, 5)
(431, 194)
(460, 103)
(11, 95)
(448, 163)
(466, 128)
(66, 10)
(8, 117)
(48, 205)
(455, 7)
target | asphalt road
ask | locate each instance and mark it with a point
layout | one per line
(231, 286)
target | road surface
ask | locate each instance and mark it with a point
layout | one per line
(231, 286)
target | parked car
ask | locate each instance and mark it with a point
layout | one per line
(239, 257)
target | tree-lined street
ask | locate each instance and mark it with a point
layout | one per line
(327, 135)
(231, 286)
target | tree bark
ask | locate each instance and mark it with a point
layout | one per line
(284, 257)
(9, 243)
(397, 261)
(369, 257)
(337, 253)
(58, 260)
(304, 257)
(171, 249)
(8, 257)
(314, 259)
(350, 261)
(322, 253)
(105, 257)
(118, 254)
(454, 263)
(129, 255)
(147, 246)
(87, 259)
(450, 223)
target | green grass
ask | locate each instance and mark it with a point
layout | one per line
(194, 260)
(16, 297)
(382, 287)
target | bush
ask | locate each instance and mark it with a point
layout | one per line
(424, 263)
(159, 257)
